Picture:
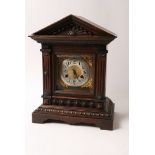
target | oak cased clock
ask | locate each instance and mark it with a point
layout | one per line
(74, 70)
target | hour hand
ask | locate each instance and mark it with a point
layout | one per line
(75, 74)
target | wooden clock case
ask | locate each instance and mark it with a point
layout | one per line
(68, 37)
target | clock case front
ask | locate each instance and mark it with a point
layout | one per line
(85, 54)
(73, 37)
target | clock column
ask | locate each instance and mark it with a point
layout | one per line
(46, 65)
(100, 78)
(101, 74)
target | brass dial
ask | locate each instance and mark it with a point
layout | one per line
(75, 72)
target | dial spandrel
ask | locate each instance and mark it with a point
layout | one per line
(74, 72)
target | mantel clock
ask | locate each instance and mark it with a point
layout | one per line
(74, 68)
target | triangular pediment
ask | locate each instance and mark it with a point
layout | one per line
(67, 26)
(73, 26)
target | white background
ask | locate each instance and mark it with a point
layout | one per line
(65, 139)
(12, 81)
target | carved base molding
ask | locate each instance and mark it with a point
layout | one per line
(102, 118)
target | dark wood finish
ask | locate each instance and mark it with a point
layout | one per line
(73, 30)
(69, 37)
(76, 115)
(47, 60)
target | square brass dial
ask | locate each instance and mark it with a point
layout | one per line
(75, 72)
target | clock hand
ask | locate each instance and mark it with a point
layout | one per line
(74, 72)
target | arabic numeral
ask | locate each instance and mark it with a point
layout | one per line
(79, 80)
(68, 63)
(84, 72)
